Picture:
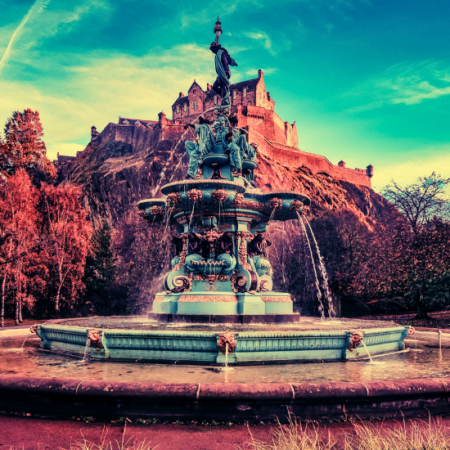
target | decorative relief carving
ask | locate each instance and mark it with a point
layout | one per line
(95, 339)
(296, 205)
(264, 286)
(272, 299)
(195, 195)
(182, 284)
(356, 339)
(155, 210)
(227, 340)
(411, 331)
(238, 282)
(275, 203)
(242, 252)
(220, 195)
(238, 200)
(208, 299)
(173, 198)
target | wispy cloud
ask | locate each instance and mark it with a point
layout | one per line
(407, 84)
(101, 86)
(254, 72)
(264, 38)
(35, 10)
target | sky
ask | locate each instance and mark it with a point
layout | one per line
(366, 81)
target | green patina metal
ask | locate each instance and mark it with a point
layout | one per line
(202, 347)
(221, 265)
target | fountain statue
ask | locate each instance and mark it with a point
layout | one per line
(221, 264)
(220, 269)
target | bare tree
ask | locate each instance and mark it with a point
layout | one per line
(420, 201)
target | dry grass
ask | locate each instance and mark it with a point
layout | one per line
(414, 435)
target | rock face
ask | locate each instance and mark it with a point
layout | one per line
(125, 164)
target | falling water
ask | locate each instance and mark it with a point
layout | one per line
(192, 215)
(167, 219)
(319, 293)
(323, 271)
(86, 349)
(271, 215)
(367, 350)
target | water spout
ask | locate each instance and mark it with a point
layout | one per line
(319, 293)
(323, 271)
(86, 349)
(367, 350)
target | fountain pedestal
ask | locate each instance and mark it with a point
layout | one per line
(221, 264)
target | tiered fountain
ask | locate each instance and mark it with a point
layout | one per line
(221, 273)
(220, 292)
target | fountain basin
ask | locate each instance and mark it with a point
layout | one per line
(202, 347)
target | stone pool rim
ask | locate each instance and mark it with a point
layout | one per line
(235, 402)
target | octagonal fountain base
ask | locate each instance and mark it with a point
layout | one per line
(200, 344)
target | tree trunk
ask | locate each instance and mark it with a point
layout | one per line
(422, 312)
(2, 313)
(58, 295)
(16, 304)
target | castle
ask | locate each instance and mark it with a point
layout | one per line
(255, 110)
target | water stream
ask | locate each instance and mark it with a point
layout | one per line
(323, 272)
(319, 292)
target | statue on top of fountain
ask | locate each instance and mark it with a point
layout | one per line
(232, 141)
(222, 62)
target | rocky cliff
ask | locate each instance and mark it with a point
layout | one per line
(125, 164)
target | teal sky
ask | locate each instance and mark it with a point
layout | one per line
(366, 81)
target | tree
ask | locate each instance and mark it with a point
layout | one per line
(66, 233)
(18, 231)
(144, 258)
(422, 246)
(421, 201)
(23, 148)
(101, 270)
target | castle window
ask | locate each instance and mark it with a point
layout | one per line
(178, 109)
(234, 95)
(185, 107)
(244, 92)
(215, 99)
(194, 105)
(193, 91)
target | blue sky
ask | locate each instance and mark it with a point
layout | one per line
(366, 81)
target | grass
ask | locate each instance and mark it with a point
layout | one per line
(414, 435)
(409, 435)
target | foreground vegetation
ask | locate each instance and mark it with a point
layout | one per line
(409, 435)
(416, 435)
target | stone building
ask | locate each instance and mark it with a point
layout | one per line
(255, 110)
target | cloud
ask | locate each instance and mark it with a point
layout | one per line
(254, 72)
(264, 38)
(35, 10)
(99, 87)
(407, 84)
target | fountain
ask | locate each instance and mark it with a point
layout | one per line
(218, 308)
(221, 271)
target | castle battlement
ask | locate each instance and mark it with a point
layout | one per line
(254, 107)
